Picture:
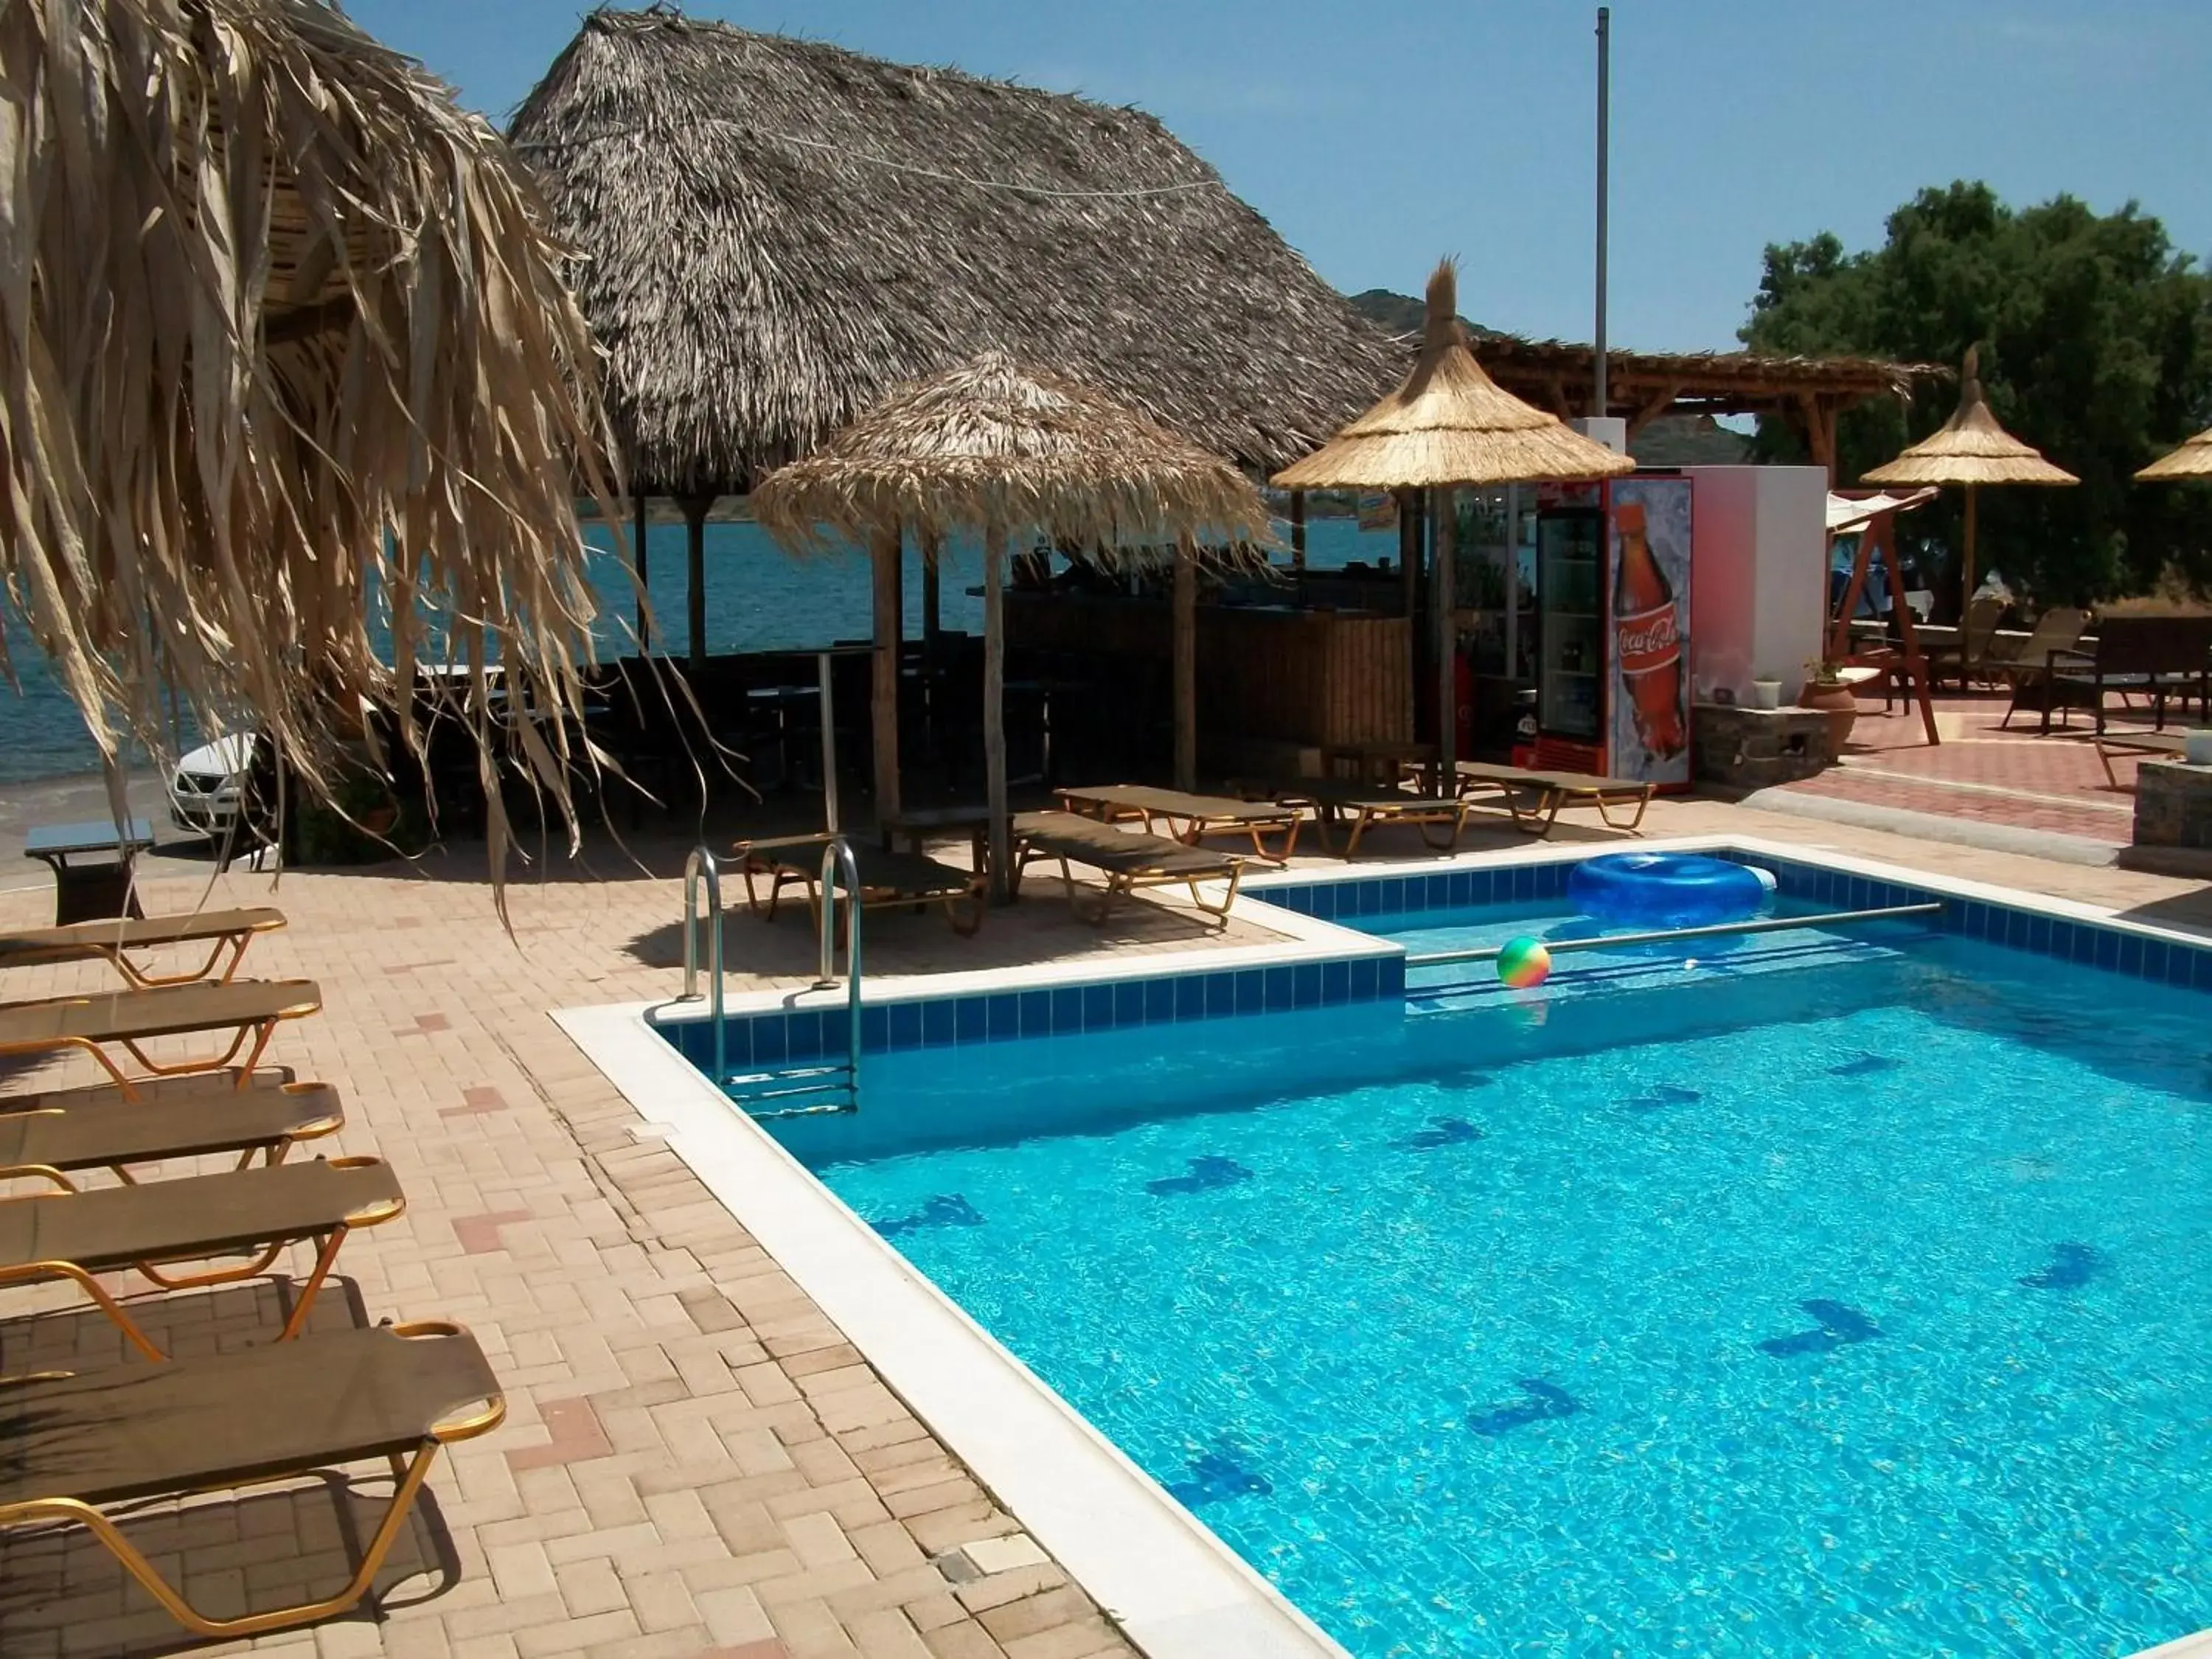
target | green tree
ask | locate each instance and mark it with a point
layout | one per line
(2096, 347)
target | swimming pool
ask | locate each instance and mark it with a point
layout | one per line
(1841, 1293)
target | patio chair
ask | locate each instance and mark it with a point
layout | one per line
(1968, 655)
(2029, 664)
(1550, 790)
(226, 932)
(79, 1444)
(1189, 818)
(96, 1127)
(66, 1233)
(1127, 859)
(250, 1009)
(889, 880)
(2159, 657)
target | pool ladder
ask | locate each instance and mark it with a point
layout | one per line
(795, 1091)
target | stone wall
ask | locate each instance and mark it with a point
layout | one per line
(2173, 804)
(1741, 748)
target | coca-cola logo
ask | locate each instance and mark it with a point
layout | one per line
(1649, 635)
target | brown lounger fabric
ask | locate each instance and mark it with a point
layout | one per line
(1120, 851)
(194, 1218)
(170, 1011)
(92, 941)
(913, 874)
(139, 1430)
(1175, 803)
(198, 1086)
(102, 1129)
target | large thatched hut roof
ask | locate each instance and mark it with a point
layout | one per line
(284, 348)
(777, 232)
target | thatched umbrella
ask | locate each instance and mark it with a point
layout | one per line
(286, 347)
(1448, 425)
(1969, 449)
(2193, 461)
(1000, 449)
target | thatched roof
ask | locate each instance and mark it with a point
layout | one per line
(779, 232)
(1450, 423)
(284, 341)
(2193, 460)
(993, 445)
(1970, 448)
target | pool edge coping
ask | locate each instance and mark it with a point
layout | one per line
(1175, 1588)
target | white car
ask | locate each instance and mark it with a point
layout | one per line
(208, 790)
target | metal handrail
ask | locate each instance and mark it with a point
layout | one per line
(838, 859)
(702, 864)
(1718, 930)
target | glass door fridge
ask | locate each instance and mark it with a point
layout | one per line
(1571, 624)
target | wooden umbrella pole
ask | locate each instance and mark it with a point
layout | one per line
(931, 628)
(884, 555)
(696, 509)
(1966, 585)
(994, 712)
(643, 569)
(1298, 531)
(1185, 664)
(1446, 528)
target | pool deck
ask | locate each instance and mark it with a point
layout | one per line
(696, 1465)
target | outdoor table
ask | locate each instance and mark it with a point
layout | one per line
(915, 827)
(99, 883)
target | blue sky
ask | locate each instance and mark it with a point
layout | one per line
(1376, 136)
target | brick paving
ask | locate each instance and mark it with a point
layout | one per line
(697, 1464)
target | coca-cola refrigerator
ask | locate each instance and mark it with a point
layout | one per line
(1612, 609)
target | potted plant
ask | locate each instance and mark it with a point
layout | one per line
(1827, 690)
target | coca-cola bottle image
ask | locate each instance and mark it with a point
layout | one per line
(1646, 640)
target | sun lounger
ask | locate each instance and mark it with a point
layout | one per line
(1189, 818)
(2143, 745)
(97, 1127)
(1129, 858)
(64, 1233)
(77, 1445)
(226, 933)
(1550, 790)
(1364, 808)
(889, 880)
(249, 1009)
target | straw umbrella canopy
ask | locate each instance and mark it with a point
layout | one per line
(1969, 449)
(285, 356)
(1000, 449)
(2193, 461)
(1449, 424)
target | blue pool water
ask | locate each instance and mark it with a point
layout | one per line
(1804, 1304)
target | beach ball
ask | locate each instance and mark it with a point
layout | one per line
(1524, 963)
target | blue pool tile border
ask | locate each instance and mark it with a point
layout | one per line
(794, 1035)
(2117, 949)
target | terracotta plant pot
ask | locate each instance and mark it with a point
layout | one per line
(1839, 703)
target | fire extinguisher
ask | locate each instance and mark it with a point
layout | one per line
(1462, 704)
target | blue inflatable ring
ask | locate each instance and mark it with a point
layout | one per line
(1667, 889)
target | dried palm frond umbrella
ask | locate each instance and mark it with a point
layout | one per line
(1000, 449)
(1969, 449)
(1450, 425)
(286, 353)
(2193, 460)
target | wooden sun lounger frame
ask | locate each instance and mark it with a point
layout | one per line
(249, 1039)
(964, 910)
(1036, 846)
(111, 941)
(1152, 808)
(410, 1478)
(1368, 808)
(1554, 790)
(328, 1239)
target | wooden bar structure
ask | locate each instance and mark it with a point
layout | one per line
(886, 553)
